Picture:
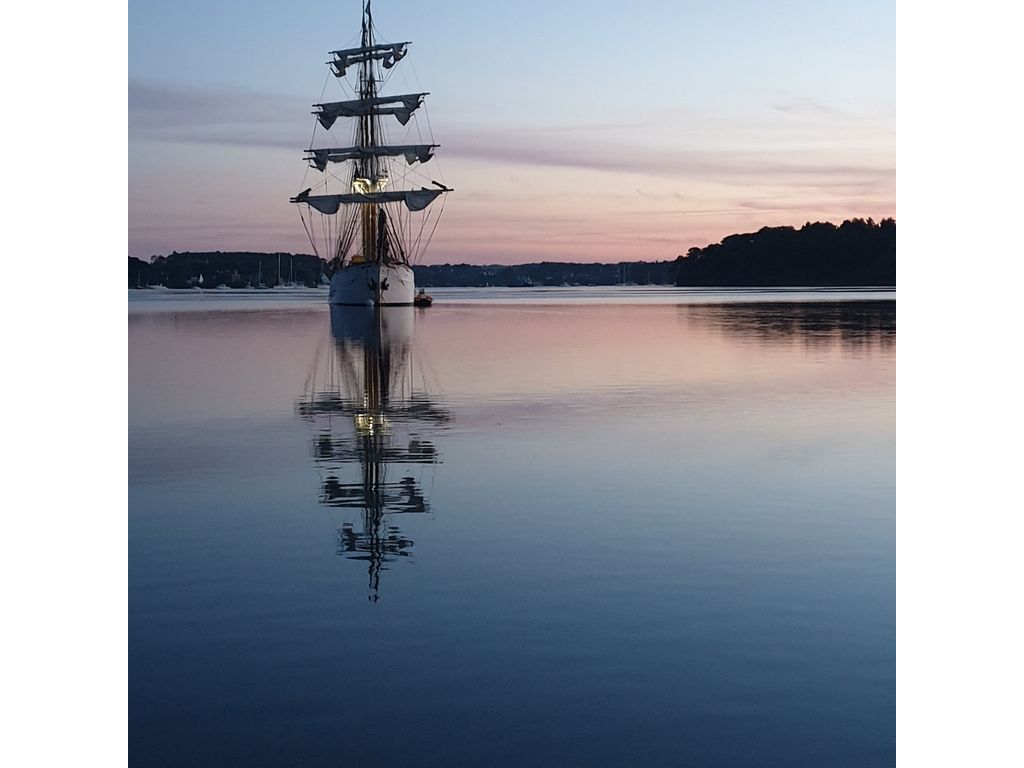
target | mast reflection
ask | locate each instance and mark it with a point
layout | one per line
(368, 408)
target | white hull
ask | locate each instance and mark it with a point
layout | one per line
(380, 284)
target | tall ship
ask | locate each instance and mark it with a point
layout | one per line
(370, 212)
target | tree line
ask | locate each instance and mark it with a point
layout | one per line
(219, 268)
(858, 252)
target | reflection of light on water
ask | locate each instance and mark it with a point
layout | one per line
(368, 424)
(363, 373)
(647, 518)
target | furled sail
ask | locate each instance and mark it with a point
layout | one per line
(408, 103)
(415, 199)
(319, 158)
(388, 54)
(366, 203)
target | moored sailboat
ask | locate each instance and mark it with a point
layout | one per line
(372, 230)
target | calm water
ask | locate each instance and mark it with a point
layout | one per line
(565, 528)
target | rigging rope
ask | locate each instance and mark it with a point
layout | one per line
(338, 231)
(437, 219)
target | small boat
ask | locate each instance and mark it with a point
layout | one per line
(422, 299)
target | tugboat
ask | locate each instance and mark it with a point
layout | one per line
(423, 299)
(369, 231)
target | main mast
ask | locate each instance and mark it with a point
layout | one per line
(367, 141)
(367, 224)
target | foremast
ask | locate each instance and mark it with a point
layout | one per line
(383, 236)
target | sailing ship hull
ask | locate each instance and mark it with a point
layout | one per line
(371, 283)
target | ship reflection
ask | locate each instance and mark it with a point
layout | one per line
(368, 407)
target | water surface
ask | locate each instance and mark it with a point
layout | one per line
(574, 527)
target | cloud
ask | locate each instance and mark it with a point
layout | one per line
(664, 195)
(805, 105)
(690, 186)
(215, 116)
(790, 166)
(158, 112)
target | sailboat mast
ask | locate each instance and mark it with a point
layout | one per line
(375, 213)
(368, 139)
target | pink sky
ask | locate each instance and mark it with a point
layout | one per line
(528, 201)
(738, 117)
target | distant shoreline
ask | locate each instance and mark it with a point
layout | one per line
(710, 289)
(857, 253)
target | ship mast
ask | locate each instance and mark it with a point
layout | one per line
(368, 140)
(385, 233)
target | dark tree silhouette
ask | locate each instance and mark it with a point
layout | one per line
(857, 252)
(235, 270)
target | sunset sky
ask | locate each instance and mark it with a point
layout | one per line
(573, 131)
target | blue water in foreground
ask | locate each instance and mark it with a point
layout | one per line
(572, 527)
